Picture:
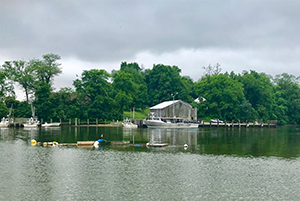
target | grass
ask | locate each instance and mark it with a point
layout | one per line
(138, 114)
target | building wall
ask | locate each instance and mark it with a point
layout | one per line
(181, 109)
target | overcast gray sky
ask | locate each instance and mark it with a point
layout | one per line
(239, 34)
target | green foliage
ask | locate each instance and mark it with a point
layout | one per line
(42, 101)
(129, 81)
(3, 110)
(20, 72)
(94, 96)
(6, 86)
(287, 93)
(259, 91)
(98, 94)
(162, 81)
(222, 95)
(47, 68)
(138, 114)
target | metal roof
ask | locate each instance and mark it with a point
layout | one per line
(164, 104)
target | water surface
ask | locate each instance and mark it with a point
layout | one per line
(219, 164)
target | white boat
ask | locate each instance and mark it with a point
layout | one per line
(168, 122)
(32, 123)
(51, 124)
(4, 122)
(128, 124)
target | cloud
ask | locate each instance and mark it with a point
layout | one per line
(240, 35)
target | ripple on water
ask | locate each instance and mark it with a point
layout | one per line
(37, 172)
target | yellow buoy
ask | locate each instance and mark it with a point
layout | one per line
(33, 142)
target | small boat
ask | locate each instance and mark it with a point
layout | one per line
(168, 122)
(32, 123)
(156, 144)
(128, 124)
(51, 124)
(4, 122)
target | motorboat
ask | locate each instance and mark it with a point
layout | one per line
(128, 124)
(168, 122)
(32, 123)
(54, 124)
(4, 122)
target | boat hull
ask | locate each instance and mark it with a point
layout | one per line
(51, 125)
(30, 125)
(130, 125)
(157, 124)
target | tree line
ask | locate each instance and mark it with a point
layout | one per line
(97, 94)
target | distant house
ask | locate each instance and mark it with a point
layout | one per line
(176, 108)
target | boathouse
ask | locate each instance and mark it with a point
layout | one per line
(176, 108)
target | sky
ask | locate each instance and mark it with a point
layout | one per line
(240, 35)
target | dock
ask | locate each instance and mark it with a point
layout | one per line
(269, 124)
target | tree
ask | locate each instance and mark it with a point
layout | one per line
(212, 70)
(259, 91)
(42, 100)
(47, 68)
(130, 80)
(162, 81)
(64, 104)
(94, 94)
(222, 95)
(287, 98)
(125, 88)
(44, 71)
(20, 72)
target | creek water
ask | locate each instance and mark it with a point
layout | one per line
(219, 164)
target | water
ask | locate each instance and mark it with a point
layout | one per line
(219, 164)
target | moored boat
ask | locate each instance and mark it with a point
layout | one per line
(54, 124)
(170, 122)
(4, 122)
(128, 124)
(32, 123)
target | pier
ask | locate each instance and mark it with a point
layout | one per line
(269, 124)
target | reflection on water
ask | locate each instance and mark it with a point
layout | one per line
(219, 164)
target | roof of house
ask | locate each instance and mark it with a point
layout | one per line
(163, 104)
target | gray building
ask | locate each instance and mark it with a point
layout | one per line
(176, 108)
